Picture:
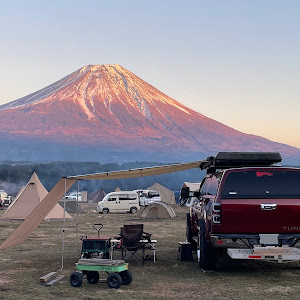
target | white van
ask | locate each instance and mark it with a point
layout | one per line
(124, 201)
(148, 196)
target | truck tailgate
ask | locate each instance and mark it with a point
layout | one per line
(260, 216)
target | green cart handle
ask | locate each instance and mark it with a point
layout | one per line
(98, 227)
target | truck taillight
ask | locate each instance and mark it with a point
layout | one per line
(216, 213)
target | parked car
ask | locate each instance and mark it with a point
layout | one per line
(73, 195)
(123, 201)
(248, 207)
(148, 196)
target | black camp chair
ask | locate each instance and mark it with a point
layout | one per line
(134, 239)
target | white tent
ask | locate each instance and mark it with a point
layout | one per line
(28, 198)
(158, 210)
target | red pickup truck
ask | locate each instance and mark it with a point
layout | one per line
(248, 207)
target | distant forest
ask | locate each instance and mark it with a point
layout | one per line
(13, 175)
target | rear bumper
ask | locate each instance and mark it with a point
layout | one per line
(278, 254)
(245, 240)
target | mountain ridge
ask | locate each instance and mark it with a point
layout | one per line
(108, 107)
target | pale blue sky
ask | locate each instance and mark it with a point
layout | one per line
(237, 62)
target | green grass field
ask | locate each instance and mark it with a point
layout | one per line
(167, 278)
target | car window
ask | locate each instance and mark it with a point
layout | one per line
(153, 194)
(123, 197)
(204, 186)
(112, 198)
(262, 184)
(131, 197)
(210, 186)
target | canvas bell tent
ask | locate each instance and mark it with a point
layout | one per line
(158, 210)
(28, 198)
(166, 195)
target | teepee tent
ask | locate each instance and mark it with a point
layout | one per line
(158, 210)
(96, 196)
(117, 189)
(27, 199)
(166, 195)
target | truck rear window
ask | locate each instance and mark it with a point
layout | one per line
(262, 184)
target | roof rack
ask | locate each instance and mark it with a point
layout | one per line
(226, 160)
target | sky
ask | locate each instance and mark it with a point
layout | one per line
(236, 62)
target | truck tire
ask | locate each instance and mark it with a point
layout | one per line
(188, 233)
(105, 211)
(208, 254)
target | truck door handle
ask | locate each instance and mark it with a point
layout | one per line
(268, 206)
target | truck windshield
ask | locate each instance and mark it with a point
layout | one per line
(262, 184)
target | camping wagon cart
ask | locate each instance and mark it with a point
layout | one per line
(117, 271)
(99, 245)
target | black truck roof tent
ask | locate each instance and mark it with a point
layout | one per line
(226, 160)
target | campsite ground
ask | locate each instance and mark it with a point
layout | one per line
(22, 266)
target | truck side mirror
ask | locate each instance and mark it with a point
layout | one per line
(197, 194)
(185, 193)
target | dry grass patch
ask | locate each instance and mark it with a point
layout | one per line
(169, 278)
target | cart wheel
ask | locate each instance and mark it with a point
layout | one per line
(92, 277)
(76, 279)
(114, 280)
(126, 277)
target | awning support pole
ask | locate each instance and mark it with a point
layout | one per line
(77, 217)
(64, 223)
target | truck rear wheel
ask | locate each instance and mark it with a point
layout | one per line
(207, 255)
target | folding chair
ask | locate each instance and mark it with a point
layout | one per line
(133, 241)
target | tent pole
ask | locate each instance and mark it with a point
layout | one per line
(77, 217)
(64, 223)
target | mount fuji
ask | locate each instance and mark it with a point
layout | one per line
(106, 113)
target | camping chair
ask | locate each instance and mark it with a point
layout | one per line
(132, 240)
